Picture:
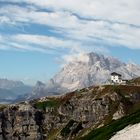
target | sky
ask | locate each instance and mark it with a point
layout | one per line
(38, 36)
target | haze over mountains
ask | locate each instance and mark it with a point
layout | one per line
(83, 71)
(10, 90)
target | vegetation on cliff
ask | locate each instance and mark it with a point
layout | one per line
(107, 131)
(97, 112)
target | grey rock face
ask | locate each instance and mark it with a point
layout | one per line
(67, 116)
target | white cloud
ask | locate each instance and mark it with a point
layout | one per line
(76, 58)
(41, 40)
(119, 10)
(4, 19)
(29, 42)
(80, 35)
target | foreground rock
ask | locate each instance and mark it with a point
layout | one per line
(69, 116)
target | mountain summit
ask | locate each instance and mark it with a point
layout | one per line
(83, 71)
(94, 70)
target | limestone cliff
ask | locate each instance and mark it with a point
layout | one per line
(69, 116)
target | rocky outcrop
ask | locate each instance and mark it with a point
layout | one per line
(69, 116)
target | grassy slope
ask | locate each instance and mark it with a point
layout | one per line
(135, 81)
(106, 132)
(2, 107)
(44, 104)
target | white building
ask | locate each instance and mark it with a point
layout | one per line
(116, 78)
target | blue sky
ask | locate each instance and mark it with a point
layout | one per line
(38, 37)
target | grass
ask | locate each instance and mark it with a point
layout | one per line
(2, 107)
(134, 81)
(43, 105)
(53, 134)
(66, 130)
(106, 132)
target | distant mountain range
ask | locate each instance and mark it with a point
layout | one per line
(100, 112)
(10, 90)
(92, 69)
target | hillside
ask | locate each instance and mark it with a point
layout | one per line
(135, 81)
(113, 128)
(87, 113)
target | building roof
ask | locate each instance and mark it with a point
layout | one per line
(125, 80)
(117, 74)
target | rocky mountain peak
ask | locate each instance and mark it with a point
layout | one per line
(39, 84)
(94, 71)
(39, 88)
(85, 70)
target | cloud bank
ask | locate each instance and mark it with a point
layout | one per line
(72, 26)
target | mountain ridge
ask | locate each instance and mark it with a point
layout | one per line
(95, 71)
(10, 90)
(90, 69)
